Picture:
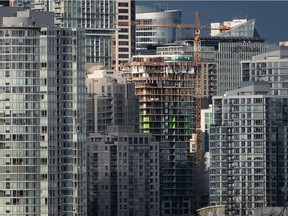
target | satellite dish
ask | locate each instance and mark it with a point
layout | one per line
(284, 190)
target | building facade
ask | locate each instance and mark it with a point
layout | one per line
(96, 17)
(111, 101)
(244, 43)
(248, 147)
(271, 67)
(123, 164)
(226, 52)
(123, 173)
(229, 55)
(124, 40)
(206, 121)
(42, 108)
(155, 35)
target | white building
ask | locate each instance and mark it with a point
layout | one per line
(248, 147)
(283, 43)
(124, 41)
(154, 35)
(271, 66)
(234, 28)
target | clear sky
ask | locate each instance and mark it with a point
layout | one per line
(271, 16)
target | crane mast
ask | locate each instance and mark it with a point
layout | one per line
(197, 108)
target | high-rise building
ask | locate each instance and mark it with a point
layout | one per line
(106, 42)
(123, 164)
(97, 17)
(42, 108)
(166, 110)
(206, 120)
(124, 40)
(111, 100)
(155, 35)
(229, 56)
(248, 147)
(243, 42)
(270, 67)
(123, 173)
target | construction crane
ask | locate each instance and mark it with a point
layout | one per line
(150, 23)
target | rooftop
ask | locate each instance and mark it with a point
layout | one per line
(16, 17)
(250, 88)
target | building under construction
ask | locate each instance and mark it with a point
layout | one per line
(164, 85)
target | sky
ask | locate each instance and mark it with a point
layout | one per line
(271, 16)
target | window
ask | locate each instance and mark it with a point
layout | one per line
(124, 30)
(123, 4)
(123, 17)
(123, 36)
(123, 43)
(123, 10)
(123, 56)
(123, 49)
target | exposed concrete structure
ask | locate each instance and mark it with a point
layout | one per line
(164, 84)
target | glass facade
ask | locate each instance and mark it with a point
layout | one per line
(42, 131)
(245, 29)
(155, 35)
(229, 56)
(97, 17)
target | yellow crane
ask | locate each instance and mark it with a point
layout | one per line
(150, 23)
(197, 107)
